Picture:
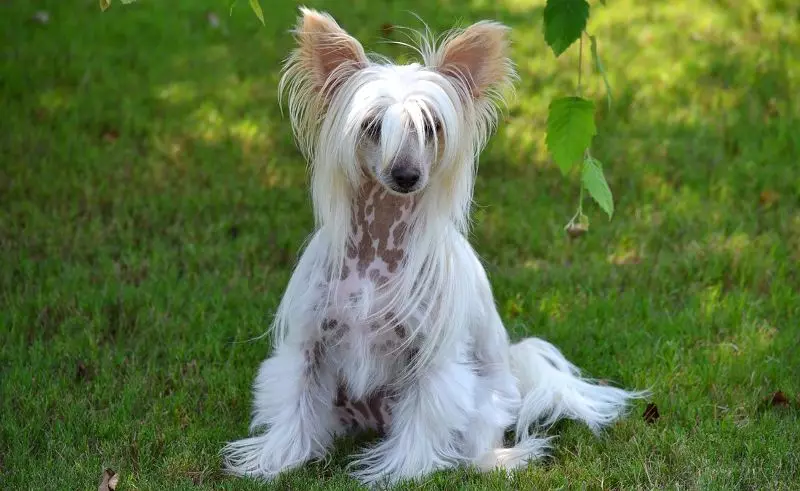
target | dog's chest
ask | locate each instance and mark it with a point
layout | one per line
(361, 331)
(378, 229)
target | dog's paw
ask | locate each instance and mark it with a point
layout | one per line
(264, 456)
(389, 464)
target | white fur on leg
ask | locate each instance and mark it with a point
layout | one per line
(552, 388)
(294, 404)
(497, 401)
(425, 421)
(515, 457)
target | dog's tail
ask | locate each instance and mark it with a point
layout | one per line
(552, 388)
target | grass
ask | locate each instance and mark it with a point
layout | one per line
(152, 204)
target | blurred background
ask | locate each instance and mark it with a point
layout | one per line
(152, 204)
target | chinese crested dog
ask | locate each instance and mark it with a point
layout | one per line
(388, 321)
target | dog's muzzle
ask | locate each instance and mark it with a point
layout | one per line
(405, 178)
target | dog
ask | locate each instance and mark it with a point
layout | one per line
(388, 322)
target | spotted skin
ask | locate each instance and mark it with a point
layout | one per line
(378, 238)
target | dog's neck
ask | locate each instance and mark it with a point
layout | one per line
(378, 235)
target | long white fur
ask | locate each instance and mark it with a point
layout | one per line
(468, 384)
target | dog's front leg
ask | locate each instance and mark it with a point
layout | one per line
(427, 421)
(293, 406)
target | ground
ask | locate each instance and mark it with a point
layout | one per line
(152, 204)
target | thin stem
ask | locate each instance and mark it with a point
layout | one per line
(580, 64)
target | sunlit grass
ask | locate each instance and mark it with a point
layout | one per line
(153, 205)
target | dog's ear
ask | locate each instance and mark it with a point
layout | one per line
(477, 57)
(326, 52)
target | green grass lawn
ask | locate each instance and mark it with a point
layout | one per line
(152, 204)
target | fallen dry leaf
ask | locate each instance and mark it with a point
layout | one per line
(779, 399)
(387, 29)
(768, 197)
(651, 414)
(108, 481)
(81, 372)
(110, 135)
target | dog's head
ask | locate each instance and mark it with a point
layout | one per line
(407, 126)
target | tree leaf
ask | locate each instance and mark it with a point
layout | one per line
(570, 128)
(104, 4)
(598, 65)
(257, 10)
(595, 182)
(564, 22)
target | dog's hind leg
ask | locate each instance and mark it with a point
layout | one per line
(498, 401)
(293, 407)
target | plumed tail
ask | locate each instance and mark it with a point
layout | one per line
(552, 388)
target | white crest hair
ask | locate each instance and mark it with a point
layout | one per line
(326, 117)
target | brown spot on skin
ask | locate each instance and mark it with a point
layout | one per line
(399, 233)
(376, 277)
(392, 258)
(339, 334)
(374, 403)
(374, 326)
(329, 324)
(352, 251)
(345, 272)
(400, 331)
(313, 359)
(341, 396)
(388, 317)
(390, 344)
(375, 213)
(362, 408)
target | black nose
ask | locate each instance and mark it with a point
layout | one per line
(405, 177)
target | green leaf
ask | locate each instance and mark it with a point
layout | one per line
(598, 65)
(257, 10)
(570, 128)
(104, 4)
(564, 22)
(595, 182)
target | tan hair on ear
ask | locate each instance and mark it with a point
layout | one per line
(326, 52)
(477, 57)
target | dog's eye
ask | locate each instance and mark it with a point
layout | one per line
(372, 129)
(431, 129)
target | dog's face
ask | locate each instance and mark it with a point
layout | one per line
(400, 136)
(401, 125)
